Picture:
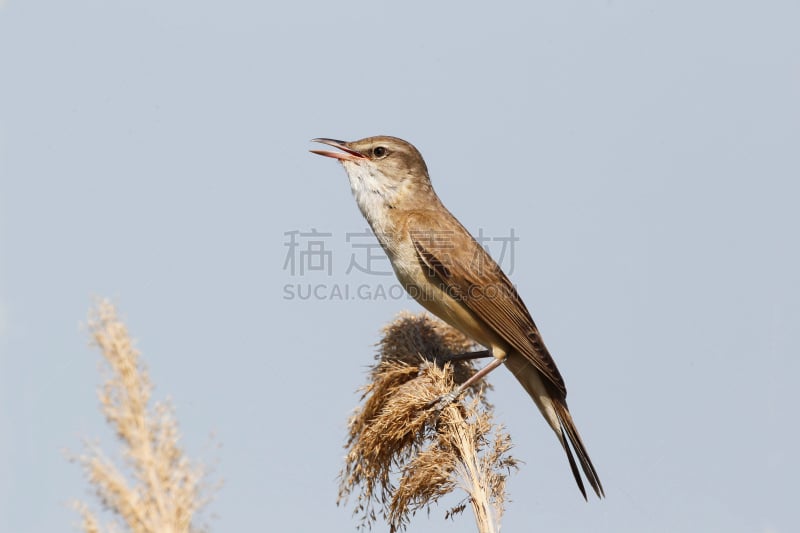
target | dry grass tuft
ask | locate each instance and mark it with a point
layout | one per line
(162, 494)
(401, 457)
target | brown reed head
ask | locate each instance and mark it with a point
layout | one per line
(403, 457)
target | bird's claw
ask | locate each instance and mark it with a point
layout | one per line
(443, 401)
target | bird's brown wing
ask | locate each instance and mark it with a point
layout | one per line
(470, 275)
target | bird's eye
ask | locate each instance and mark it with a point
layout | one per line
(379, 151)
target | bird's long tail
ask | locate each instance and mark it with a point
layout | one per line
(554, 408)
(568, 428)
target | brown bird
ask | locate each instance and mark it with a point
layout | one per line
(444, 269)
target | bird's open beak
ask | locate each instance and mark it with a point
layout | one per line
(347, 154)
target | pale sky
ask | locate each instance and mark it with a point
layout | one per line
(645, 155)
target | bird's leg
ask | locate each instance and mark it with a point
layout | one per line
(440, 360)
(443, 401)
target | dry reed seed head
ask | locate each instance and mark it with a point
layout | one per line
(401, 458)
(162, 493)
(421, 339)
(409, 337)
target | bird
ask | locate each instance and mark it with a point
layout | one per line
(450, 274)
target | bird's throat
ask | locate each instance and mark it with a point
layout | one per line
(375, 196)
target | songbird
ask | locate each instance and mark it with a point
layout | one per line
(444, 268)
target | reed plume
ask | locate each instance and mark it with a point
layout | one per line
(156, 488)
(403, 457)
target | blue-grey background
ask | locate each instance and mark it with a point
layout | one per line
(645, 154)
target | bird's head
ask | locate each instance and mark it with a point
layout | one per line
(385, 172)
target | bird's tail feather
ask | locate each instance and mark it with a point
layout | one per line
(554, 409)
(568, 428)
